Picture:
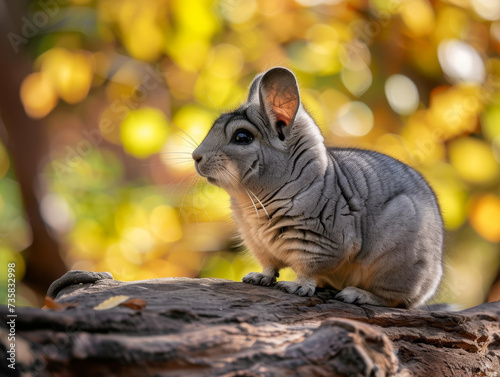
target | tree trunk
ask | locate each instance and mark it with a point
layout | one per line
(25, 142)
(214, 327)
(494, 293)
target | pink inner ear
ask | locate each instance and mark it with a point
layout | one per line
(284, 102)
(282, 115)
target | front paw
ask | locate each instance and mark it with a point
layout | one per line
(301, 289)
(256, 278)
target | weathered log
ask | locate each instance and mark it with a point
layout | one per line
(214, 327)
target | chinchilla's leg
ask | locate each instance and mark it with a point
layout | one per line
(404, 262)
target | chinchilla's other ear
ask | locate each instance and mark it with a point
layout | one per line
(279, 98)
(253, 92)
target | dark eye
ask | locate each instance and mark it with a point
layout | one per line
(242, 137)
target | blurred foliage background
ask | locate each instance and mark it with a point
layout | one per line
(124, 90)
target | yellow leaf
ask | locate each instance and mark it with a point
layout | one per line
(111, 302)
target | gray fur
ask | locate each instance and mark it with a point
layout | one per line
(354, 219)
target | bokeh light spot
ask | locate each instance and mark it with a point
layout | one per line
(450, 191)
(165, 224)
(225, 61)
(144, 131)
(487, 9)
(238, 11)
(402, 94)
(38, 95)
(496, 148)
(461, 62)
(473, 160)
(195, 121)
(70, 72)
(418, 16)
(140, 238)
(144, 38)
(490, 122)
(56, 212)
(355, 118)
(453, 111)
(484, 216)
(495, 30)
(357, 81)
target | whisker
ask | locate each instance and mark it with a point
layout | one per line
(189, 142)
(187, 159)
(178, 184)
(188, 153)
(166, 164)
(255, 196)
(235, 179)
(194, 205)
(185, 133)
(202, 206)
(213, 103)
(167, 186)
(232, 177)
(262, 205)
(207, 191)
(193, 182)
(253, 203)
(187, 191)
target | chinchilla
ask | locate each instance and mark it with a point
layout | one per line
(357, 220)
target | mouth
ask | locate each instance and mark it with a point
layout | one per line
(210, 180)
(197, 168)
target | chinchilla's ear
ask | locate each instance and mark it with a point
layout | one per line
(279, 98)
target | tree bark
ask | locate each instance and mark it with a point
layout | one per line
(214, 327)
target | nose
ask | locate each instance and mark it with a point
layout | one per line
(197, 157)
